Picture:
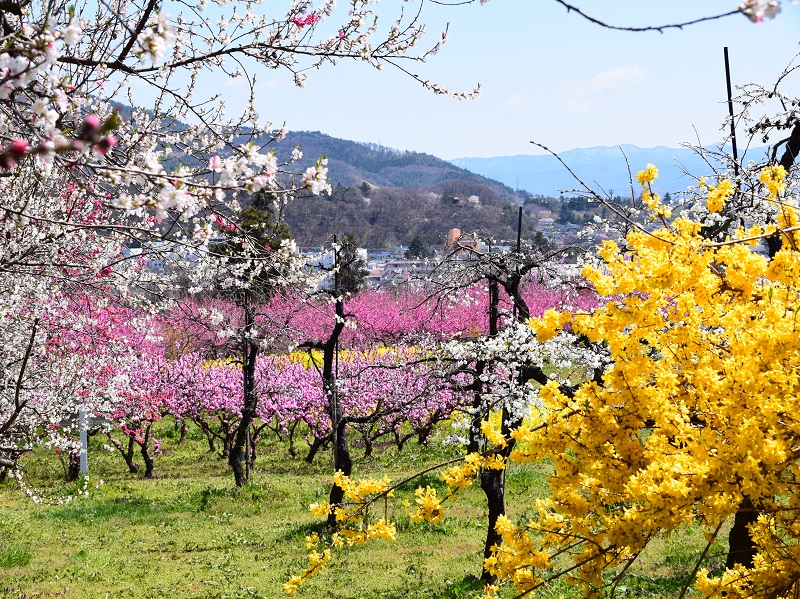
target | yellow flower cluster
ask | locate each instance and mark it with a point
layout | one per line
(209, 364)
(648, 175)
(551, 323)
(429, 507)
(316, 561)
(320, 510)
(461, 476)
(382, 530)
(517, 558)
(309, 358)
(718, 194)
(359, 492)
(774, 179)
(490, 591)
(492, 431)
(651, 200)
(353, 519)
(700, 409)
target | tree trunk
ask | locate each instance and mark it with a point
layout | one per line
(73, 467)
(341, 461)
(330, 350)
(210, 438)
(313, 448)
(251, 455)
(237, 458)
(402, 442)
(367, 446)
(477, 410)
(290, 436)
(741, 549)
(775, 242)
(127, 454)
(145, 451)
(493, 483)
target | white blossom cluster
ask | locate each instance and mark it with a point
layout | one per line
(515, 348)
(758, 10)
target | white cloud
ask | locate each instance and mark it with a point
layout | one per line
(518, 100)
(579, 104)
(616, 78)
(584, 96)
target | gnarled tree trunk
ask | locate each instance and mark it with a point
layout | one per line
(237, 457)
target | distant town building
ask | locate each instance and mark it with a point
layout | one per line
(452, 237)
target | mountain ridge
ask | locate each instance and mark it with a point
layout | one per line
(353, 163)
(602, 168)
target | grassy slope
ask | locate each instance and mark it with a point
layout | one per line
(189, 534)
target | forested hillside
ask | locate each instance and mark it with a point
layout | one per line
(390, 216)
(387, 197)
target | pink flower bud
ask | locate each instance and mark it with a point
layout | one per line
(104, 145)
(90, 127)
(18, 148)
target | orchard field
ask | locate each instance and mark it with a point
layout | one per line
(165, 397)
(189, 533)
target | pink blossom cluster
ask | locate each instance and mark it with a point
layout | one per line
(302, 21)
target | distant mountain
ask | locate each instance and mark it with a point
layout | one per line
(353, 163)
(599, 168)
(387, 197)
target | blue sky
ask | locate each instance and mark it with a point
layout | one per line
(547, 76)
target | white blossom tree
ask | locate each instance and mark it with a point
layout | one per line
(87, 174)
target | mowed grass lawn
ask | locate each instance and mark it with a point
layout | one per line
(189, 533)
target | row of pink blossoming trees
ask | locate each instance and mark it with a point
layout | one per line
(132, 369)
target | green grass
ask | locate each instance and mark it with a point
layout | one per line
(190, 534)
(14, 556)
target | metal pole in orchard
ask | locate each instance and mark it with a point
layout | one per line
(730, 112)
(82, 425)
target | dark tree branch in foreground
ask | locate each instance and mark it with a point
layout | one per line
(605, 24)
